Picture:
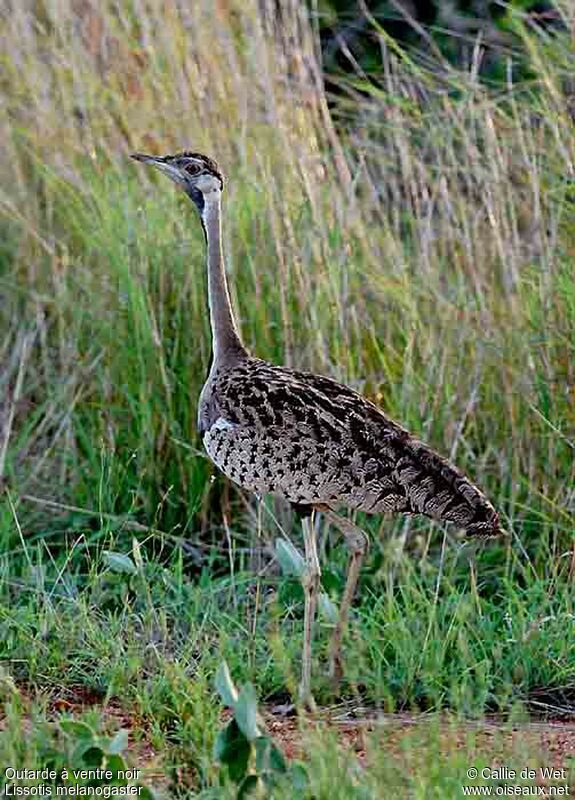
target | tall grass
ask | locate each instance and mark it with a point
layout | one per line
(413, 236)
(421, 251)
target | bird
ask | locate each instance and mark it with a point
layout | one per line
(305, 437)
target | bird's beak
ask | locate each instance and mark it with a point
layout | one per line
(146, 159)
(168, 169)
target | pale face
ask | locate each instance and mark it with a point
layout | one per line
(198, 175)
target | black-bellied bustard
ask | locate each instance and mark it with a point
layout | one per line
(307, 438)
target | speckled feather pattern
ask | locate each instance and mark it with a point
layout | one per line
(311, 440)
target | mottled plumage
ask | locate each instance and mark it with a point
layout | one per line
(314, 441)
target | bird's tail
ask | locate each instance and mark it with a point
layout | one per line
(443, 492)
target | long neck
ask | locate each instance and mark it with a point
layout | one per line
(226, 343)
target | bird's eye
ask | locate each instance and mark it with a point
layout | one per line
(191, 168)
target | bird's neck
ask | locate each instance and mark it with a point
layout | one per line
(226, 342)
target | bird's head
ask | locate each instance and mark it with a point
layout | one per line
(198, 175)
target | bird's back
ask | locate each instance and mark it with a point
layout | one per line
(312, 440)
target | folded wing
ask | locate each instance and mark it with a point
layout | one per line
(313, 440)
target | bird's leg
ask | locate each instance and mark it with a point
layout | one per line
(357, 544)
(310, 583)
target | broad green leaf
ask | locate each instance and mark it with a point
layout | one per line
(298, 777)
(225, 686)
(246, 712)
(269, 758)
(263, 746)
(233, 750)
(327, 608)
(119, 743)
(93, 757)
(80, 730)
(119, 562)
(115, 763)
(277, 759)
(290, 560)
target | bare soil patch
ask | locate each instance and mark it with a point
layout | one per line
(552, 741)
(549, 743)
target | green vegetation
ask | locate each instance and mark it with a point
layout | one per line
(420, 248)
(470, 34)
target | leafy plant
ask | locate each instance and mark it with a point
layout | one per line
(72, 753)
(245, 750)
(293, 566)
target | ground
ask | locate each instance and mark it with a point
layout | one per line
(492, 740)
